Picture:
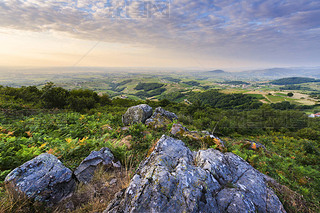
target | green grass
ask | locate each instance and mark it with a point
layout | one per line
(275, 99)
(281, 94)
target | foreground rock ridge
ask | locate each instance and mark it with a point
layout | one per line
(43, 178)
(175, 179)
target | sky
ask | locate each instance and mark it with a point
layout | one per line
(203, 34)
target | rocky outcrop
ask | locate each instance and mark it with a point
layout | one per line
(161, 112)
(143, 114)
(137, 114)
(85, 171)
(43, 179)
(161, 118)
(174, 179)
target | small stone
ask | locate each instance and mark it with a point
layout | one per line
(178, 129)
(126, 128)
(106, 127)
(113, 181)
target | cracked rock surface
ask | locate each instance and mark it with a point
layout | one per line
(175, 179)
(43, 178)
(163, 113)
(85, 171)
(137, 114)
(161, 118)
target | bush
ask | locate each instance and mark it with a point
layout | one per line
(290, 94)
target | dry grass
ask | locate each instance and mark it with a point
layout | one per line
(15, 202)
(92, 197)
(95, 196)
(292, 201)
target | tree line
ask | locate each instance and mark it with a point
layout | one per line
(51, 96)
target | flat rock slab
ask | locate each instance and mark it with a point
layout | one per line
(137, 114)
(174, 179)
(85, 171)
(43, 179)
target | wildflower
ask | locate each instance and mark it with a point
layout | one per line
(10, 133)
(81, 141)
(42, 145)
(29, 134)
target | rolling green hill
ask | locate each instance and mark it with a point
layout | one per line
(293, 80)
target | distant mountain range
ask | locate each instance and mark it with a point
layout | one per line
(217, 72)
(270, 74)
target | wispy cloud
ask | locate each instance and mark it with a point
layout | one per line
(247, 28)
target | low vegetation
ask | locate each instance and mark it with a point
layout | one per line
(71, 124)
(236, 82)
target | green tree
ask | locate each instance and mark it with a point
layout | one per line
(290, 94)
(54, 97)
(82, 99)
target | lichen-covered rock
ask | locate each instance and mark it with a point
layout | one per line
(160, 111)
(178, 129)
(203, 137)
(174, 179)
(43, 178)
(137, 114)
(161, 118)
(85, 171)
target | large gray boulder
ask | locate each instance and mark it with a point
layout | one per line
(43, 179)
(174, 179)
(85, 171)
(137, 114)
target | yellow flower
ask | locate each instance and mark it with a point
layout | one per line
(81, 141)
(10, 133)
(29, 134)
(42, 145)
(254, 146)
(68, 140)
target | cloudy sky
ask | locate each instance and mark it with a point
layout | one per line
(164, 33)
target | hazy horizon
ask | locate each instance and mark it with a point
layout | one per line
(138, 69)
